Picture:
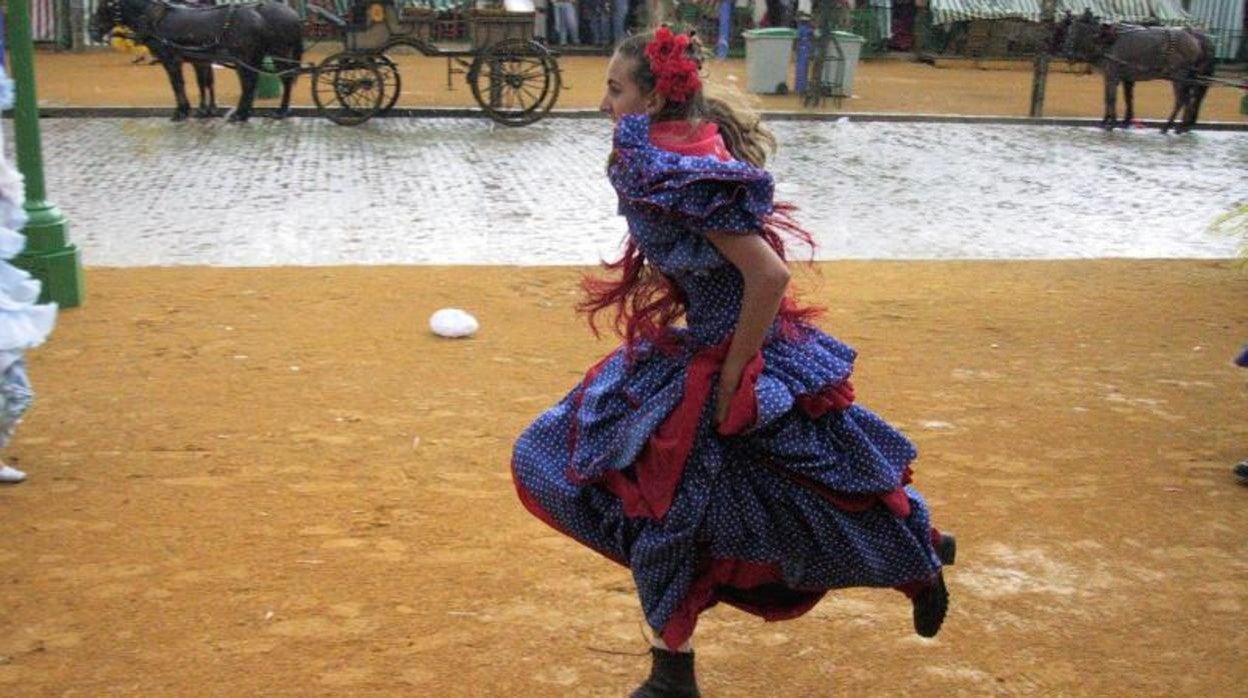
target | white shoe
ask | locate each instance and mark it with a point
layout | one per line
(11, 474)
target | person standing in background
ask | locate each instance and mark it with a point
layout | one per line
(598, 16)
(567, 29)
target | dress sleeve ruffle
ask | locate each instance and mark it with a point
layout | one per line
(24, 322)
(698, 194)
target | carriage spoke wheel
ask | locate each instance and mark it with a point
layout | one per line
(515, 81)
(391, 84)
(348, 89)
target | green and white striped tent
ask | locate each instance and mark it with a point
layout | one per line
(1224, 21)
(1164, 11)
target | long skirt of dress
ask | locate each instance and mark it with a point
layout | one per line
(15, 399)
(809, 494)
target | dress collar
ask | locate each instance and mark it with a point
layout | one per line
(684, 138)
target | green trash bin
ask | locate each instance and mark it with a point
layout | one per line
(840, 68)
(767, 54)
(268, 85)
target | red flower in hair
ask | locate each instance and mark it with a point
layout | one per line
(665, 46)
(675, 74)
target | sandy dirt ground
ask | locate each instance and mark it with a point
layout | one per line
(278, 482)
(109, 78)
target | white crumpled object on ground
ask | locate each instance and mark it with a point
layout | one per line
(453, 322)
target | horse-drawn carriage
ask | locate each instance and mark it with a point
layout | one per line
(515, 80)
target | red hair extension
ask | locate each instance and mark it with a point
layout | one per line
(646, 302)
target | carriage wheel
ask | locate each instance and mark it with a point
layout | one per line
(515, 81)
(348, 88)
(391, 84)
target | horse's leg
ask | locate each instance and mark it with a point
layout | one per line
(1111, 99)
(293, 52)
(247, 81)
(173, 67)
(212, 86)
(288, 82)
(288, 85)
(1180, 102)
(1203, 68)
(1196, 96)
(207, 94)
(1128, 96)
(288, 72)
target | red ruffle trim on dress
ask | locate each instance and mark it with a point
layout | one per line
(535, 508)
(687, 139)
(661, 465)
(753, 587)
(649, 489)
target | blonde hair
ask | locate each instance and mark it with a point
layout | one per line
(742, 129)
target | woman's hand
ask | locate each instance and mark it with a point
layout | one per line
(729, 381)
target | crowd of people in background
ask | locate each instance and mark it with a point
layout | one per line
(606, 22)
(588, 22)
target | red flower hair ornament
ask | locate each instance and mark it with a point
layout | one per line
(675, 74)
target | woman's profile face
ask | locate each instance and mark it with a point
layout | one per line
(624, 95)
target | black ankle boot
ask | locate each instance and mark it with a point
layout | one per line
(671, 676)
(947, 549)
(930, 606)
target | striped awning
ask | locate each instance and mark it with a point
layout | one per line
(950, 11)
(1129, 11)
(43, 20)
(1224, 21)
(1164, 11)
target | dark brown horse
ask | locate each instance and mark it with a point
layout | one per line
(204, 79)
(236, 35)
(1128, 54)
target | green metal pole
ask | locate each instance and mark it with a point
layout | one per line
(49, 256)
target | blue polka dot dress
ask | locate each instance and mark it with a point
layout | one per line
(801, 491)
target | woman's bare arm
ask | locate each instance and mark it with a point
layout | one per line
(766, 279)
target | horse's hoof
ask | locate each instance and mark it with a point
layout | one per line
(237, 118)
(204, 113)
(179, 116)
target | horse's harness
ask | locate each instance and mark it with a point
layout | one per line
(162, 10)
(1112, 36)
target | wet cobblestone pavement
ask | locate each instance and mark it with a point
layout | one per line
(143, 192)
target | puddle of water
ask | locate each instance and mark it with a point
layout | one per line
(141, 192)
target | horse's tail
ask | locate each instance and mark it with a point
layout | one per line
(1209, 56)
(1201, 69)
(1207, 60)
